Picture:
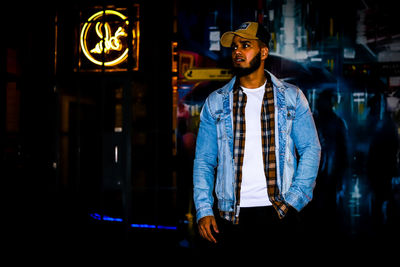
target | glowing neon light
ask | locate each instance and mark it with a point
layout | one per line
(135, 225)
(99, 217)
(108, 41)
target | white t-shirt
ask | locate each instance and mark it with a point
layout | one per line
(253, 191)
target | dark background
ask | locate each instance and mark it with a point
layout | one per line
(61, 181)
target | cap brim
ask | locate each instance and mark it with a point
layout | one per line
(227, 38)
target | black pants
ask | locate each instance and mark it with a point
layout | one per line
(260, 228)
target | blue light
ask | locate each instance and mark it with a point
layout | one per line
(135, 225)
(95, 216)
(167, 227)
(110, 219)
(99, 217)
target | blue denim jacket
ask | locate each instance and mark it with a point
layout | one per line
(214, 149)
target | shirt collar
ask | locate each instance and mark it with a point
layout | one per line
(236, 85)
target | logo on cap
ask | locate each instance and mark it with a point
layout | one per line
(244, 26)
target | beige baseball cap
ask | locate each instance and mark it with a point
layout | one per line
(249, 30)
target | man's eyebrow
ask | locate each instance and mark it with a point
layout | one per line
(242, 42)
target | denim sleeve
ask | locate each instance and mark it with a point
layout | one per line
(306, 140)
(205, 163)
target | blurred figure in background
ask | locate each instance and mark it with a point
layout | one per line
(382, 163)
(332, 132)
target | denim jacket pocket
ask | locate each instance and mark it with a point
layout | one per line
(221, 122)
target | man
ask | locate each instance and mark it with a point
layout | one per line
(250, 132)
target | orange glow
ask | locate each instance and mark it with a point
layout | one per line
(108, 42)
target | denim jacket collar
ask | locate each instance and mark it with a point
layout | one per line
(230, 85)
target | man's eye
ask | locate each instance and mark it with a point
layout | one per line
(246, 45)
(234, 47)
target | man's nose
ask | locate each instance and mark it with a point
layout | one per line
(237, 51)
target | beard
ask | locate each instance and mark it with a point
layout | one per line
(254, 65)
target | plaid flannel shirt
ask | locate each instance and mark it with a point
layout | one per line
(268, 148)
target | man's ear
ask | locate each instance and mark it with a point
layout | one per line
(264, 53)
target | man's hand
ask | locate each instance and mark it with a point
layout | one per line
(206, 225)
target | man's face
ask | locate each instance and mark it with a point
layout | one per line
(246, 56)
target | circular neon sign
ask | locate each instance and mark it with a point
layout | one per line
(103, 40)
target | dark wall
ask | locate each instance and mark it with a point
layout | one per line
(37, 188)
